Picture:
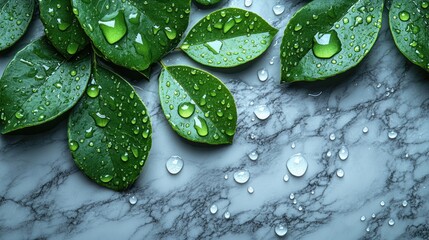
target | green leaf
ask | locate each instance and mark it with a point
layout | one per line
(62, 27)
(409, 24)
(327, 37)
(198, 106)
(15, 16)
(228, 37)
(109, 131)
(39, 85)
(130, 33)
(208, 2)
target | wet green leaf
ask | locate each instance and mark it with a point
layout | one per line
(110, 132)
(39, 85)
(208, 2)
(198, 106)
(62, 27)
(327, 37)
(228, 37)
(15, 16)
(409, 24)
(133, 34)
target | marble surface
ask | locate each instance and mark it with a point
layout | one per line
(44, 196)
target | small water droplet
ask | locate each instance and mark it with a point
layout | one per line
(113, 26)
(174, 164)
(225, 177)
(280, 230)
(241, 176)
(292, 196)
(93, 91)
(262, 74)
(286, 178)
(340, 173)
(392, 134)
(391, 222)
(373, 215)
(278, 9)
(170, 33)
(404, 203)
(248, 3)
(106, 178)
(73, 145)
(132, 200)
(213, 209)
(332, 136)
(367, 229)
(100, 119)
(250, 190)
(297, 165)
(293, 145)
(343, 154)
(262, 112)
(200, 126)
(186, 109)
(326, 45)
(253, 156)
(382, 203)
(227, 215)
(404, 16)
(72, 48)
(362, 219)
(365, 129)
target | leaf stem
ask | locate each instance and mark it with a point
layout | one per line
(162, 64)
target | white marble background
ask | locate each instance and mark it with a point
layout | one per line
(44, 196)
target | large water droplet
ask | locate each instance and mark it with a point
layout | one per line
(174, 164)
(278, 9)
(100, 119)
(186, 109)
(262, 112)
(213, 209)
(201, 126)
(262, 74)
(404, 16)
(170, 33)
(113, 26)
(93, 91)
(297, 165)
(241, 176)
(343, 153)
(214, 46)
(280, 230)
(326, 45)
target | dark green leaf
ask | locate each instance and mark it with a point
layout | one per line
(198, 106)
(109, 131)
(62, 27)
(409, 24)
(327, 37)
(208, 2)
(39, 84)
(228, 37)
(133, 34)
(14, 19)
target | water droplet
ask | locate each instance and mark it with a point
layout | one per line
(228, 25)
(227, 215)
(404, 16)
(73, 145)
(404, 203)
(106, 178)
(292, 196)
(343, 153)
(280, 230)
(248, 3)
(363, 218)
(367, 229)
(225, 177)
(373, 215)
(62, 25)
(392, 134)
(19, 115)
(214, 46)
(326, 45)
(241, 176)
(93, 91)
(329, 154)
(262, 74)
(278, 9)
(262, 112)
(100, 119)
(186, 109)
(113, 26)
(253, 156)
(174, 165)
(297, 165)
(213, 209)
(382, 203)
(286, 178)
(250, 190)
(72, 48)
(365, 129)
(201, 126)
(124, 157)
(132, 200)
(340, 173)
(141, 45)
(332, 136)
(425, 4)
(391, 222)
(170, 33)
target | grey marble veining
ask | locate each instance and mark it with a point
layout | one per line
(44, 196)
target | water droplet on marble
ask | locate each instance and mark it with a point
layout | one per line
(262, 74)
(225, 177)
(253, 156)
(280, 230)
(293, 145)
(343, 154)
(332, 136)
(404, 203)
(278, 9)
(286, 178)
(292, 196)
(367, 229)
(391, 222)
(297, 165)
(373, 215)
(262, 112)
(382, 203)
(241, 176)
(213, 209)
(340, 173)
(174, 164)
(363, 218)
(250, 190)
(132, 200)
(248, 3)
(227, 215)
(392, 134)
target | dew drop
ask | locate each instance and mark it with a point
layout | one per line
(343, 154)
(213, 209)
(186, 109)
(241, 176)
(280, 230)
(326, 45)
(132, 200)
(262, 74)
(262, 112)
(174, 164)
(297, 165)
